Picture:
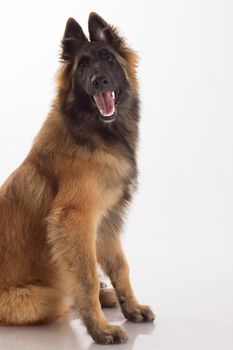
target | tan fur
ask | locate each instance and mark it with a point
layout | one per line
(27, 206)
(108, 297)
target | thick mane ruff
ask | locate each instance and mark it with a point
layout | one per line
(129, 55)
(130, 64)
(63, 77)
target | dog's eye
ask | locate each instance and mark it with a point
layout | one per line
(109, 58)
(82, 63)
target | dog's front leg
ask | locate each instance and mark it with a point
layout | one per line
(72, 235)
(113, 262)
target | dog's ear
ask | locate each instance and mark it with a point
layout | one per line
(99, 30)
(72, 40)
(96, 27)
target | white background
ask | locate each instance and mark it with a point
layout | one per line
(178, 236)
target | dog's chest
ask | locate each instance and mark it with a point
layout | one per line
(112, 180)
(106, 179)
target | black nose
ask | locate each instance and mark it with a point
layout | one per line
(100, 83)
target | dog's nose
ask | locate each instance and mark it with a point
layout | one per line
(99, 83)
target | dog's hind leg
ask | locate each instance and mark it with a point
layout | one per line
(31, 304)
(107, 297)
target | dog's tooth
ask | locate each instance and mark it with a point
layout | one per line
(113, 95)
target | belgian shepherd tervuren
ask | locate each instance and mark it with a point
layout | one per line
(61, 211)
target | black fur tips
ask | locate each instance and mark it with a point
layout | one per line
(73, 39)
(73, 30)
(96, 27)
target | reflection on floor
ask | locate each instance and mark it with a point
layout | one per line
(67, 333)
(192, 301)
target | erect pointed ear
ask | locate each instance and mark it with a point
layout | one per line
(72, 40)
(96, 26)
(99, 30)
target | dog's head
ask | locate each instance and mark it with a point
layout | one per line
(98, 74)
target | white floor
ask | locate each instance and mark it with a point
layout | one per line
(192, 297)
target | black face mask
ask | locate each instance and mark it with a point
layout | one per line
(101, 79)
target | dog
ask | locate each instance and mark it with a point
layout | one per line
(62, 210)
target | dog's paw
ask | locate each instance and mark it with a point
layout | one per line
(110, 335)
(138, 313)
(108, 297)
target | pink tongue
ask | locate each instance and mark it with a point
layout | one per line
(105, 103)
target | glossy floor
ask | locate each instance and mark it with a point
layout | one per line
(191, 297)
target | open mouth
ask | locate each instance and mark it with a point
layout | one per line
(106, 103)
